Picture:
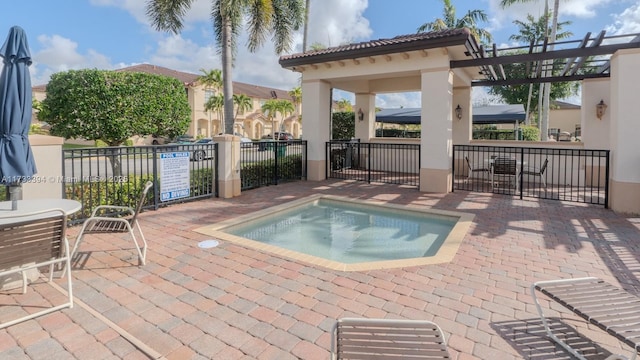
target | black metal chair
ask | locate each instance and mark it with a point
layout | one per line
(505, 168)
(102, 221)
(473, 168)
(534, 171)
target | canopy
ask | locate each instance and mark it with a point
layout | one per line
(490, 114)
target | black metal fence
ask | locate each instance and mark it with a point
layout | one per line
(116, 175)
(575, 175)
(373, 162)
(264, 163)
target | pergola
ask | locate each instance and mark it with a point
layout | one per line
(444, 66)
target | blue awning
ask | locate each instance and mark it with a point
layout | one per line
(490, 114)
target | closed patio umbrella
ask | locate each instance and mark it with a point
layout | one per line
(16, 158)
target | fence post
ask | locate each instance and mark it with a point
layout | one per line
(228, 159)
(369, 163)
(156, 178)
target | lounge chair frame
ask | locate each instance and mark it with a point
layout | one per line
(379, 339)
(106, 224)
(610, 308)
(32, 241)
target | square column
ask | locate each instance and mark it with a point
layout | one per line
(624, 129)
(436, 141)
(229, 184)
(316, 110)
(463, 127)
(365, 129)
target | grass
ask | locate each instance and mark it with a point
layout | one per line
(67, 146)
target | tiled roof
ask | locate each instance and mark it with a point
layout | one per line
(186, 78)
(253, 91)
(408, 42)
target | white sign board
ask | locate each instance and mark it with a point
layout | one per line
(174, 175)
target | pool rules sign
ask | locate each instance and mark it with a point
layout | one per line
(174, 175)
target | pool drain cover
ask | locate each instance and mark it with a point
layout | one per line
(207, 244)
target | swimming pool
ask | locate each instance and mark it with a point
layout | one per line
(347, 234)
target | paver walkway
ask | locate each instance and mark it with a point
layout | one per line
(232, 302)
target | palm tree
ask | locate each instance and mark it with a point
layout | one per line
(270, 110)
(296, 96)
(211, 79)
(535, 31)
(344, 105)
(215, 103)
(243, 103)
(285, 107)
(469, 20)
(305, 34)
(546, 87)
(277, 19)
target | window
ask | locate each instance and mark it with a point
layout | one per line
(208, 94)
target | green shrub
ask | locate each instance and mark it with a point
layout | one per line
(100, 143)
(262, 172)
(530, 133)
(127, 193)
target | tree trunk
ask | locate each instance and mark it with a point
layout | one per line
(305, 35)
(227, 86)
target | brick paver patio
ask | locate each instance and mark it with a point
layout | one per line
(232, 302)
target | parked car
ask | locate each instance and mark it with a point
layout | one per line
(279, 136)
(184, 139)
(202, 152)
(156, 140)
(246, 142)
(283, 136)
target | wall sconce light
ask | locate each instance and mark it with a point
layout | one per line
(600, 109)
(458, 112)
(360, 115)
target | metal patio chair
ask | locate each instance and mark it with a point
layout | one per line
(505, 169)
(473, 168)
(534, 171)
(387, 338)
(102, 224)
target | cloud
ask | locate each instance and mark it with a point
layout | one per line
(336, 22)
(628, 22)
(583, 9)
(61, 54)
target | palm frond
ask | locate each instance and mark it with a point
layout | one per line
(167, 15)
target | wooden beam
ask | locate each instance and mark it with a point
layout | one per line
(371, 60)
(551, 79)
(556, 54)
(388, 57)
(327, 65)
(570, 61)
(425, 53)
(356, 61)
(314, 66)
(581, 61)
(405, 55)
(341, 63)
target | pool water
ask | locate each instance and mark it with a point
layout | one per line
(350, 233)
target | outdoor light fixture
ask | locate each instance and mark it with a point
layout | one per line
(360, 115)
(459, 112)
(600, 108)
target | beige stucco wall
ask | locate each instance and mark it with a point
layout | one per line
(47, 183)
(624, 130)
(564, 119)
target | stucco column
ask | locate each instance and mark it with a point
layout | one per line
(624, 129)
(462, 128)
(316, 120)
(595, 133)
(228, 165)
(366, 128)
(436, 135)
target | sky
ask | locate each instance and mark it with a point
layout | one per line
(112, 34)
